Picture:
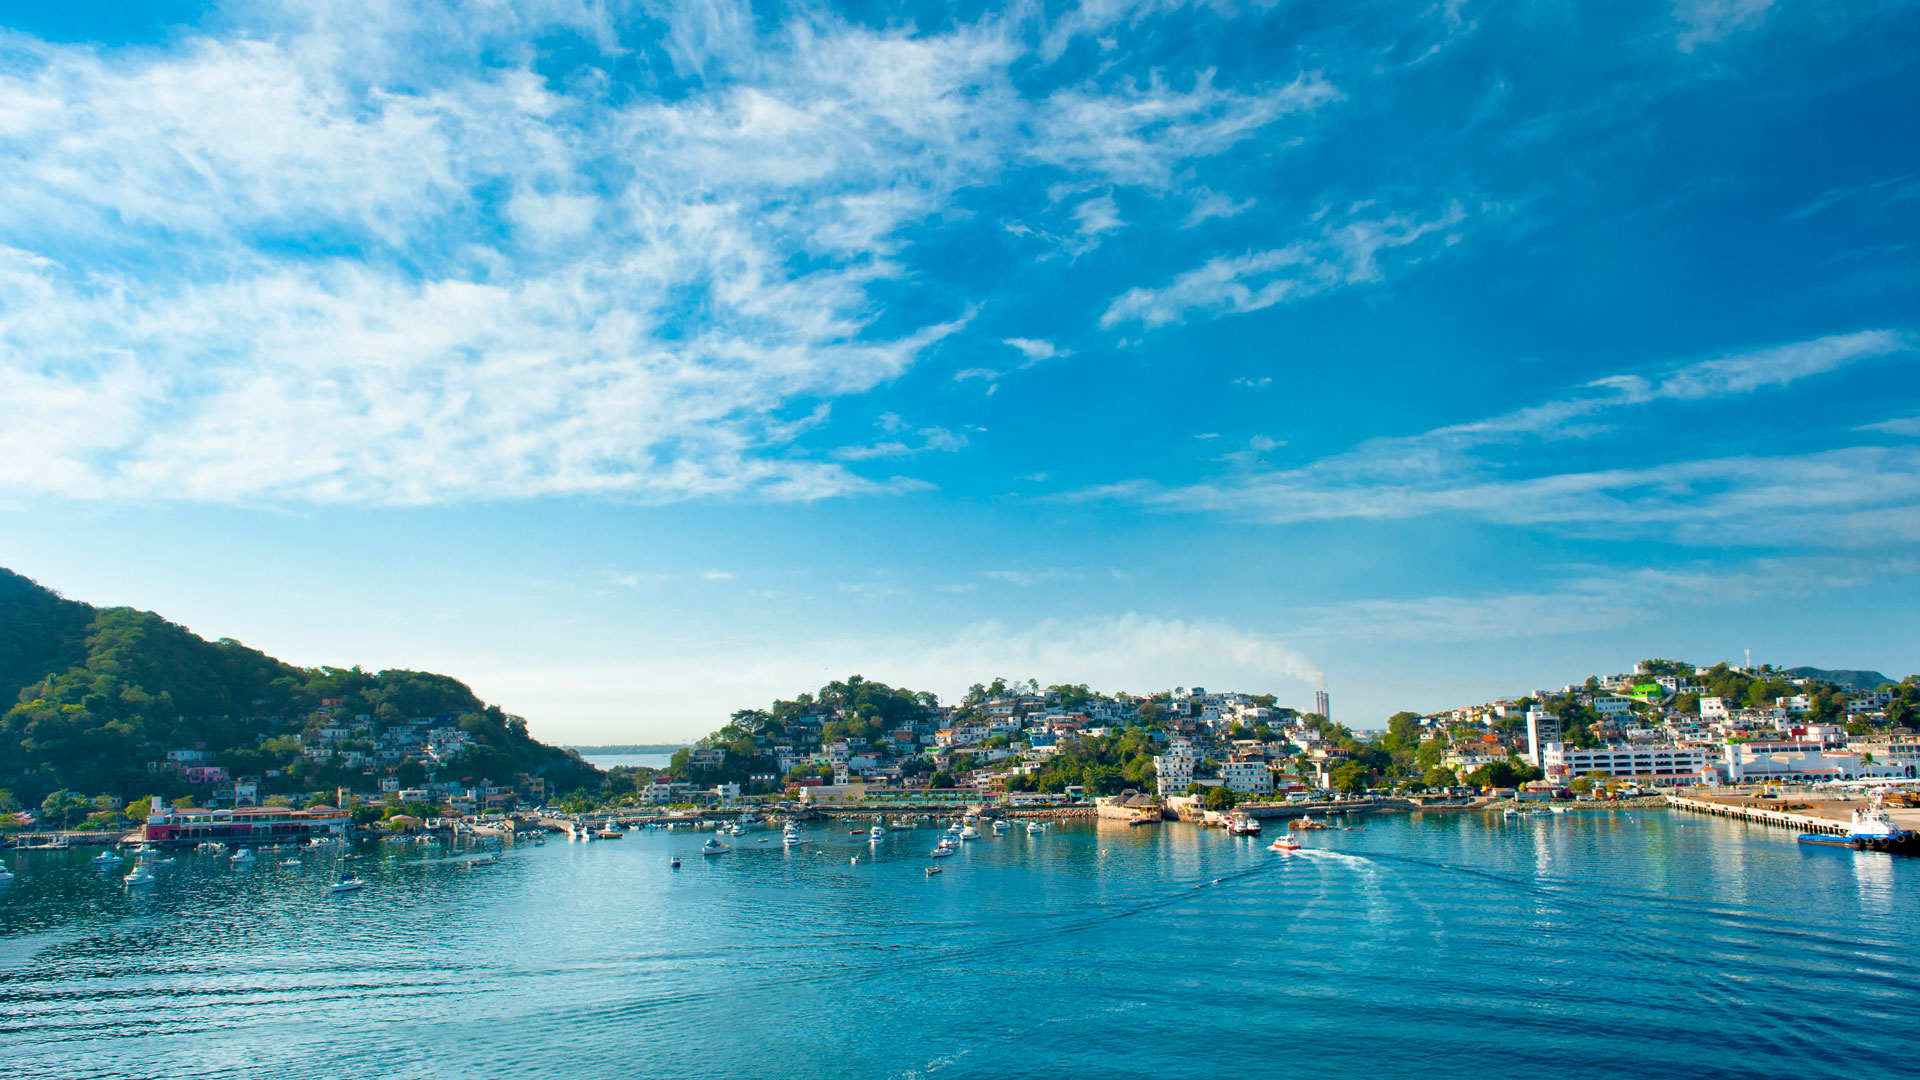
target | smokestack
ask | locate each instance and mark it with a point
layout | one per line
(1320, 704)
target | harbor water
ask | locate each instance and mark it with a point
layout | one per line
(1625, 944)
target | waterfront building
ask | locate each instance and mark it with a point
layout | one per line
(264, 824)
(1662, 766)
(1246, 777)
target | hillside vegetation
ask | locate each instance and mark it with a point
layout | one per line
(97, 695)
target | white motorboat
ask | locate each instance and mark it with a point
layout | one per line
(792, 840)
(140, 876)
(1284, 842)
(876, 833)
(289, 862)
(969, 833)
(107, 858)
(714, 847)
(900, 826)
(243, 855)
(942, 851)
(736, 830)
(6, 875)
(1000, 827)
(1034, 828)
(349, 882)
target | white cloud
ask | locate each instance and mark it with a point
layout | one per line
(1597, 599)
(1033, 349)
(1345, 253)
(1716, 20)
(935, 439)
(1247, 382)
(370, 253)
(1029, 578)
(1136, 652)
(1847, 497)
(1901, 425)
(1209, 204)
(1093, 219)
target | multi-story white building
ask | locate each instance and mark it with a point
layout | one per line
(1174, 769)
(1247, 777)
(1795, 762)
(1713, 708)
(1659, 765)
(1542, 728)
(1612, 705)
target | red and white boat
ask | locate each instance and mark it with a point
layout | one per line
(1284, 842)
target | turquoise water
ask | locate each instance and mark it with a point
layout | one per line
(1628, 945)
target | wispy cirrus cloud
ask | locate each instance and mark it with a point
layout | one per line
(1585, 599)
(1345, 252)
(1849, 496)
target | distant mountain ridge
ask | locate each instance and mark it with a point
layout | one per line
(1852, 680)
(95, 698)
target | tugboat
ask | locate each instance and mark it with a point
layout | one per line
(1872, 829)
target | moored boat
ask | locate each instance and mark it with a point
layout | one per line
(1241, 823)
(714, 847)
(349, 882)
(107, 858)
(140, 876)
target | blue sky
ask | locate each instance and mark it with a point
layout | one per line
(641, 362)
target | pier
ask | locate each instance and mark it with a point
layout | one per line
(1808, 815)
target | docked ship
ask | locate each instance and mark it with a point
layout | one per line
(1241, 823)
(244, 824)
(1871, 829)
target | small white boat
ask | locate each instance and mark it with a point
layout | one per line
(349, 882)
(876, 833)
(107, 858)
(900, 826)
(736, 830)
(969, 833)
(942, 851)
(6, 875)
(1034, 828)
(1000, 827)
(1284, 842)
(243, 855)
(714, 847)
(289, 862)
(140, 876)
(488, 859)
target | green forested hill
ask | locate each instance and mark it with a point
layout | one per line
(92, 695)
